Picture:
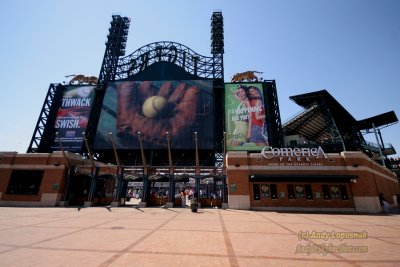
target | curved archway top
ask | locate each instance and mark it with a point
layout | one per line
(163, 45)
(167, 51)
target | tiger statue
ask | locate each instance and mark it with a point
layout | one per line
(249, 76)
(79, 78)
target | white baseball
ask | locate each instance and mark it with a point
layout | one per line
(153, 106)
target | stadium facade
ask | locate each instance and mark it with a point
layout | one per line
(161, 125)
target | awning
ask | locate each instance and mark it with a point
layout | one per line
(158, 178)
(381, 120)
(211, 178)
(133, 177)
(183, 178)
(302, 178)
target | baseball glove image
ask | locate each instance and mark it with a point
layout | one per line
(154, 112)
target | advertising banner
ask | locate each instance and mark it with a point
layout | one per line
(245, 117)
(73, 116)
(154, 108)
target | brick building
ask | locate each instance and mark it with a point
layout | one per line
(346, 181)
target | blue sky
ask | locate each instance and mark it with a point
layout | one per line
(349, 47)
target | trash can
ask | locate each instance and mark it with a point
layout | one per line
(194, 206)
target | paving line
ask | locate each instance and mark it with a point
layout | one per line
(231, 252)
(128, 248)
(34, 245)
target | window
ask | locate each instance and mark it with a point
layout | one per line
(256, 190)
(309, 194)
(25, 182)
(290, 189)
(274, 191)
(326, 192)
(265, 191)
(343, 192)
(299, 191)
(334, 191)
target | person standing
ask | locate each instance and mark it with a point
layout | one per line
(257, 121)
(398, 202)
(183, 198)
(129, 195)
(384, 203)
(242, 128)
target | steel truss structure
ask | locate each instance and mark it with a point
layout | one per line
(44, 134)
(274, 116)
(217, 50)
(188, 61)
(115, 47)
(164, 51)
(139, 65)
(326, 123)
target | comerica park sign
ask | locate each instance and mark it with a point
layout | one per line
(293, 154)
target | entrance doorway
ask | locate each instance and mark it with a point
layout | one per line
(211, 192)
(134, 193)
(79, 189)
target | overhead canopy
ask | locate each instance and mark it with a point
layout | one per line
(315, 122)
(310, 123)
(165, 178)
(381, 120)
(325, 121)
(309, 99)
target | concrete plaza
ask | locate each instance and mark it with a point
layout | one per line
(129, 236)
